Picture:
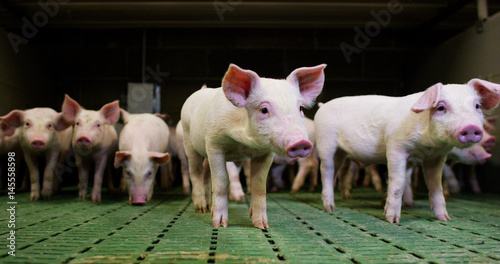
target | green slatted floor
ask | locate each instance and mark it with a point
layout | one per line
(166, 230)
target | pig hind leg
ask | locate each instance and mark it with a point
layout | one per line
(196, 175)
(327, 149)
(432, 174)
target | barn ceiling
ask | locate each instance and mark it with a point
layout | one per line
(424, 14)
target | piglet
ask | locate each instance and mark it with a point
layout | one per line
(94, 140)
(381, 129)
(248, 116)
(142, 145)
(43, 133)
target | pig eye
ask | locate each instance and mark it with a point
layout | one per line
(77, 123)
(98, 125)
(27, 124)
(128, 174)
(264, 110)
(49, 126)
(441, 108)
(149, 174)
(478, 106)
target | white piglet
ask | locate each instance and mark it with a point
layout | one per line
(43, 133)
(248, 116)
(142, 145)
(94, 140)
(381, 129)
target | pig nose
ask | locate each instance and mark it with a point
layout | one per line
(37, 144)
(300, 148)
(138, 200)
(483, 160)
(470, 134)
(83, 141)
(490, 142)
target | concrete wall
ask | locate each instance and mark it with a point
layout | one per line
(461, 58)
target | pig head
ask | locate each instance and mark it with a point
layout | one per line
(139, 170)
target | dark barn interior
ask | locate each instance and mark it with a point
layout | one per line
(91, 50)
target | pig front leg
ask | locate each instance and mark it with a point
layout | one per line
(48, 175)
(433, 169)
(396, 165)
(235, 189)
(277, 177)
(186, 186)
(83, 176)
(220, 184)
(100, 165)
(408, 192)
(259, 169)
(32, 163)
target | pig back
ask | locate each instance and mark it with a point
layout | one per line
(144, 131)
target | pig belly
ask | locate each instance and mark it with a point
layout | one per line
(364, 149)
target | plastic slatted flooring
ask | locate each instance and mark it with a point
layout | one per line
(167, 230)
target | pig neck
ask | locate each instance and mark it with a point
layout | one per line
(422, 136)
(242, 132)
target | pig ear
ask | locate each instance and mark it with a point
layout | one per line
(125, 115)
(61, 121)
(310, 81)
(488, 91)
(6, 129)
(162, 116)
(238, 84)
(14, 119)
(428, 99)
(122, 156)
(160, 158)
(70, 108)
(111, 112)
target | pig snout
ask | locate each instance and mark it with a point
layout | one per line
(83, 141)
(489, 142)
(470, 134)
(299, 148)
(37, 144)
(138, 200)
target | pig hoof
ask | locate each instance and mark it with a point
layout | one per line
(186, 192)
(346, 196)
(410, 204)
(293, 191)
(443, 217)
(261, 225)
(96, 198)
(330, 208)
(311, 189)
(46, 193)
(34, 196)
(392, 219)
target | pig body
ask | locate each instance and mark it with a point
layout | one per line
(235, 189)
(94, 140)
(382, 129)
(142, 145)
(43, 133)
(251, 117)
